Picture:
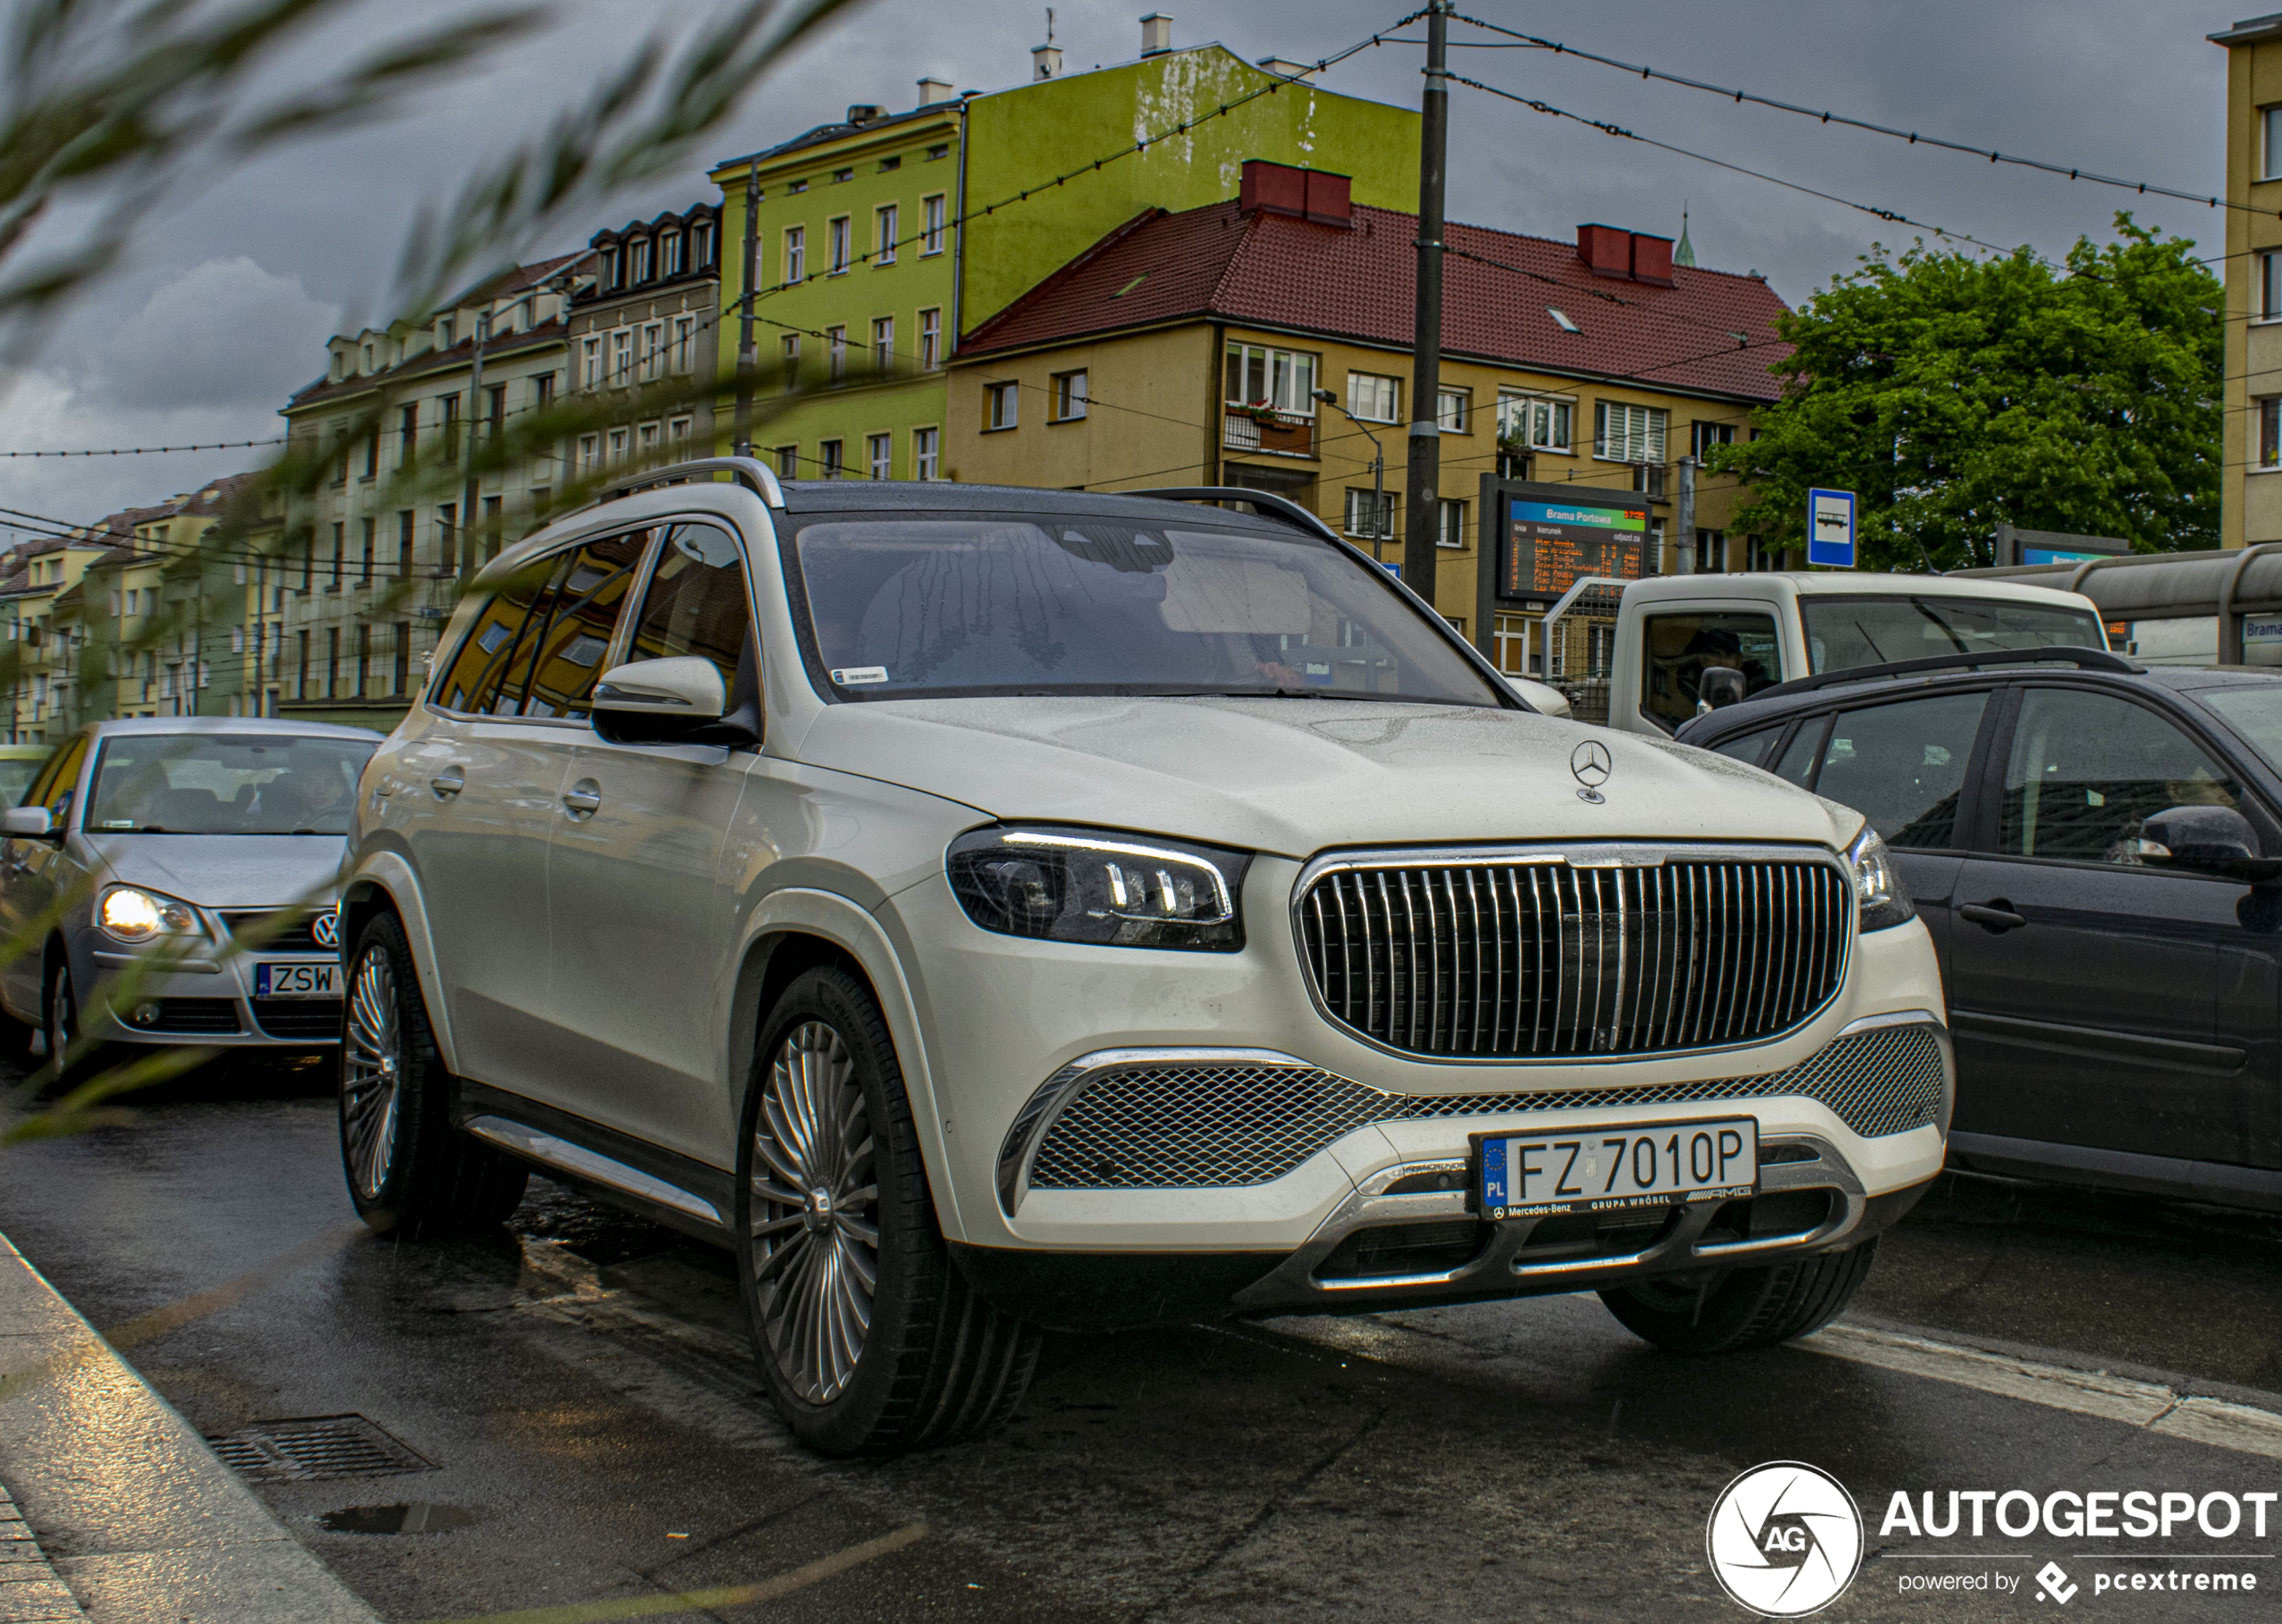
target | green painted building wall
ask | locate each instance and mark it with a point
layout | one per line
(972, 153)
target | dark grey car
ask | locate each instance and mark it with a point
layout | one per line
(2095, 848)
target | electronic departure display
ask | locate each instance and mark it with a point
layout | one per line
(1549, 545)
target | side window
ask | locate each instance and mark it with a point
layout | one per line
(59, 780)
(1902, 765)
(574, 623)
(1749, 747)
(1674, 648)
(475, 682)
(1799, 762)
(2086, 769)
(695, 603)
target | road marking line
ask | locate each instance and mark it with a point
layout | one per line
(2148, 1405)
(691, 1601)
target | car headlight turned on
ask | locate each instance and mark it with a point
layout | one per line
(1093, 885)
(131, 914)
(1883, 901)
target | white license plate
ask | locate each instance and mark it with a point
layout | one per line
(1590, 1170)
(297, 981)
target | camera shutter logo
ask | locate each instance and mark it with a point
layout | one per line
(1590, 764)
(1784, 1540)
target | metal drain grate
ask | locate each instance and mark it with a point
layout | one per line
(311, 1447)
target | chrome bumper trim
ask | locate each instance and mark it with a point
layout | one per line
(1501, 1263)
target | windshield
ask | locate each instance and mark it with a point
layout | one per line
(16, 775)
(224, 783)
(903, 607)
(1843, 632)
(2255, 714)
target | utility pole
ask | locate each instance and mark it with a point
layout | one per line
(1422, 505)
(1683, 521)
(748, 357)
(474, 410)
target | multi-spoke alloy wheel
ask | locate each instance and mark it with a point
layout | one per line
(411, 1172)
(814, 1212)
(868, 1338)
(372, 1070)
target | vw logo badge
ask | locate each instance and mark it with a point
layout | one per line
(325, 929)
(1590, 764)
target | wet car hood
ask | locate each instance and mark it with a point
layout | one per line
(1299, 775)
(225, 871)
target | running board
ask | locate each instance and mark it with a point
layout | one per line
(576, 1159)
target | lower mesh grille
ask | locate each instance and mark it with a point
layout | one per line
(1210, 1125)
(199, 1015)
(298, 1016)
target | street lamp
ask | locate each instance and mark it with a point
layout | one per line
(1379, 469)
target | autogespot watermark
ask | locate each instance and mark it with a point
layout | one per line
(1784, 1540)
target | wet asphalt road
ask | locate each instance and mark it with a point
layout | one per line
(581, 1383)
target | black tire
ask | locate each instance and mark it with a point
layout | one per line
(935, 1362)
(1729, 1310)
(59, 1018)
(409, 1170)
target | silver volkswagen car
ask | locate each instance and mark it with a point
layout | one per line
(179, 872)
(987, 908)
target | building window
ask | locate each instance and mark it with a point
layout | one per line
(648, 435)
(839, 175)
(609, 278)
(1711, 552)
(678, 430)
(2266, 268)
(2270, 126)
(796, 253)
(930, 338)
(617, 445)
(1000, 406)
(684, 335)
(701, 250)
(1282, 379)
(883, 234)
(340, 553)
(543, 391)
(836, 241)
(372, 455)
(407, 434)
(589, 450)
(1527, 424)
(2271, 432)
(622, 357)
(1454, 411)
(639, 263)
(791, 362)
(301, 685)
(931, 215)
(1450, 524)
(1703, 436)
(879, 453)
(1628, 434)
(941, 150)
(1373, 398)
(836, 346)
(788, 462)
(828, 458)
(883, 345)
(1510, 638)
(669, 254)
(404, 544)
(1069, 396)
(1370, 515)
(403, 658)
(653, 351)
(590, 363)
(926, 453)
(364, 655)
(364, 575)
(494, 410)
(332, 662)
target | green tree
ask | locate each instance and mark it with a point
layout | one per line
(1951, 393)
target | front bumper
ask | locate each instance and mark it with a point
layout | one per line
(203, 1000)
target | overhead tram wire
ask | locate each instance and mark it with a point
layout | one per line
(1913, 137)
(149, 450)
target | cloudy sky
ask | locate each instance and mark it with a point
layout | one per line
(236, 282)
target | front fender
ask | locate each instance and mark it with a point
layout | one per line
(833, 918)
(383, 877)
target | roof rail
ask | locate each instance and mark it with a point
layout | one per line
(2083, 659)
(751, 473)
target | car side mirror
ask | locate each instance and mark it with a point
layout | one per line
(658, 700)
(30, 823)
(2205, 840)
(1719, 686)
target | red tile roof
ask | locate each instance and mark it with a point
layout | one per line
(1273, 270)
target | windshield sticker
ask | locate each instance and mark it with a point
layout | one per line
(856, 676)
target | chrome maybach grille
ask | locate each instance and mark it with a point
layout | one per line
(1215, 1125)
(1520, 959)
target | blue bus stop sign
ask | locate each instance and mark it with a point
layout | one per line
(1830, 528)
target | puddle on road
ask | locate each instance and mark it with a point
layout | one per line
(407, 1517)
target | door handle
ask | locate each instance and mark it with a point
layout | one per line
(449, 781)
(583, 798)
(1995, 916)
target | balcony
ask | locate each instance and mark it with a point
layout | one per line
(1282, 434)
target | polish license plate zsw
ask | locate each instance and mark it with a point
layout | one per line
(297, 981)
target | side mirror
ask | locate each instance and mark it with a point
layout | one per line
(658, 700)
(30, 823)
(1719, 686)
(2205, 840)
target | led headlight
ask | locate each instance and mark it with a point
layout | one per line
(1879, 895)
(131, 914)
(1091, 885)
